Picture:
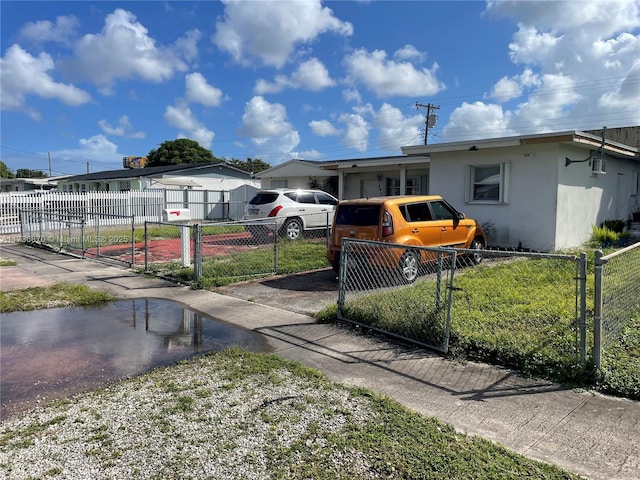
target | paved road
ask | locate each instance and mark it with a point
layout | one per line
(592, 435)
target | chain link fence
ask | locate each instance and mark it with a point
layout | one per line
(528, 310)
(397, 290)
(617, 299)
(515, 304)
(214, 254)
(101, 236)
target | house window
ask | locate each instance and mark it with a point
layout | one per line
(83, 187)
(417, 185)
(488, 183)
(279, 183)
(124, 185)
(393, 186)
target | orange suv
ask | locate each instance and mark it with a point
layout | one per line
(411, 220)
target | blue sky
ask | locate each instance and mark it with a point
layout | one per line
(85, 83)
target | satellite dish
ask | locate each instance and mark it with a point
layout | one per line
(432, 120)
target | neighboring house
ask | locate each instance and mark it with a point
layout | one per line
(543, 191)
(201, 176)
(298, 174)
(30, 184)
(354, 177)
(379, 176)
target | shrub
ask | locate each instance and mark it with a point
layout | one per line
(604, 235)
(614, 225)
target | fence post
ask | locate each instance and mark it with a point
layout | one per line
(597, 310)
(275, 247)
(146, 248)
(83, 245)
(197, 251)
(97, 235)
(342, 272)
(133, 240)
(583, 308)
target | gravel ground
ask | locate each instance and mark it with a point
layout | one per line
(199, 419)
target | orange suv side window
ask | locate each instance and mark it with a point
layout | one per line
(441, 212)
(416, 212)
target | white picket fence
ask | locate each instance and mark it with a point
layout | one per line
(144, 205)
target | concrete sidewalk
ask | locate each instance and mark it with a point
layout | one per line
(592, 435)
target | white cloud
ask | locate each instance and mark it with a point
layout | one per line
(45, 31)
(387, 78)
(409, 52)
(22, 74)
(395, 129)
(357, 131)
(352, 95)
(508, 88)
(323, 128)
(311, 155)
(465, 121)
(122, 50)
(579, 70)
(182, 118)
(124, 128)
(187, 46)
(310, 75)
(199, 91)
(273, 138)
(96, 150)
(270, 31)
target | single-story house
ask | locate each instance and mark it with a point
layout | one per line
(201, 176)
(299, 174)
(354, 177)
(542, 191)
(30, 184)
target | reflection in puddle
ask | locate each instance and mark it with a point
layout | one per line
(49, 354)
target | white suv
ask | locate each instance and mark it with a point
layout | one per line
(295, 211)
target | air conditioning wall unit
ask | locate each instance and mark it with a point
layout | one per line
(598, 165)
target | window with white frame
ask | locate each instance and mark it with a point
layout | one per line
(488, 183)
(417, 185)
(279, 183)
(124, 185)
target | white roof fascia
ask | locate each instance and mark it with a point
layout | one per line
(575, 137)
(379, 162)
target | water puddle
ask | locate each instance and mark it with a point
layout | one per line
(54, 353)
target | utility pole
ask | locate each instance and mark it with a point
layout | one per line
(430, 120)
(49, 154)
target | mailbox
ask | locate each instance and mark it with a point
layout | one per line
(176, 215)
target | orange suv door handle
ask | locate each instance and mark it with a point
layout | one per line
(415, 230)
(443, 229)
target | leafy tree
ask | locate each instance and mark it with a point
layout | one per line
(251, 165)
(178, 152)
(28, 173)
(5, 172)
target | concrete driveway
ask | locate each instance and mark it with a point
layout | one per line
(305, 293)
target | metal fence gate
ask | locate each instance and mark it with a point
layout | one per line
(409, 292)
(617, 298)
(100, 236)
(401, 291)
